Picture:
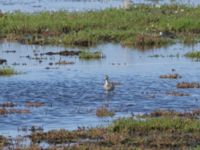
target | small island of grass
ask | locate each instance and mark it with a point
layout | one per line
(104, 112)
(90, 55)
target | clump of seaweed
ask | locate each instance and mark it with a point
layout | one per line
(104, 112)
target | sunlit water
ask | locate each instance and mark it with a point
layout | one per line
(76, 5)
(72, 93)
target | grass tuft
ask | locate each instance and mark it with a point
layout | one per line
(193, 55)
(104, 112)
(90, 55)
(7, 71)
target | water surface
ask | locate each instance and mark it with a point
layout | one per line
(76, 5)
(72, 93)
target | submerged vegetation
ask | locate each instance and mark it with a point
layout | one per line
(140, 26)
(7, 71)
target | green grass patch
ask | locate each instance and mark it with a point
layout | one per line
(196, 148)
(7, 71)
(193, 55)
(87, 55)
(177, 124)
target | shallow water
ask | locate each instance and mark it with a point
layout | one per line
(75, 5)
(72, 93)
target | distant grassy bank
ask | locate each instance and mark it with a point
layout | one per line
(140, 26)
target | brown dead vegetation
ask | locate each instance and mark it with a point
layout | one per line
(104, 112)
(186, 85)
(13, 111)
(170, 76)
(34, 104)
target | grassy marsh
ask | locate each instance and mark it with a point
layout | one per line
(158, 130)
(140, 26)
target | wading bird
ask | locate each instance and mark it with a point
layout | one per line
(108, 86)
